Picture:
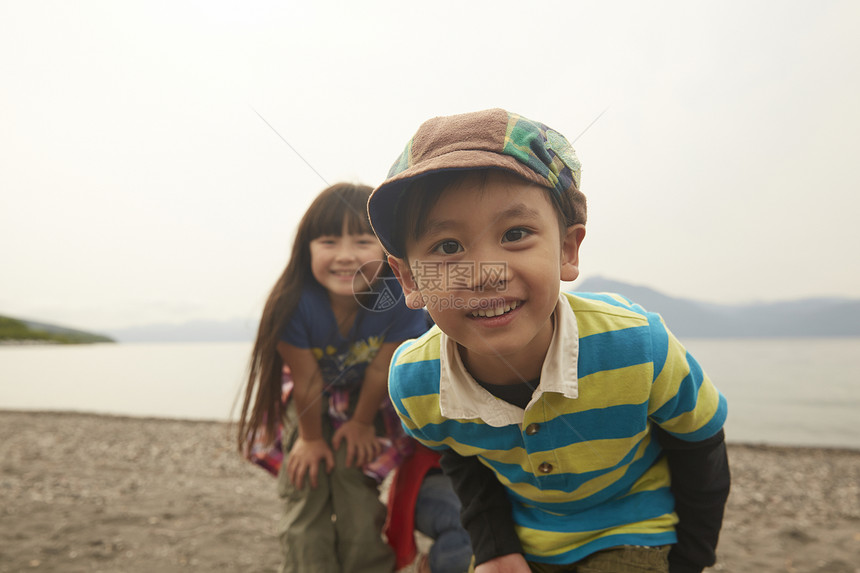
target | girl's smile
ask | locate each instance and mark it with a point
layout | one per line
(346, 264)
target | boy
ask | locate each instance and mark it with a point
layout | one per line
(560, 417)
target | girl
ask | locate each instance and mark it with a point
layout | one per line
(334, 318)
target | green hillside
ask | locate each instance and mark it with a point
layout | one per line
(14, 330)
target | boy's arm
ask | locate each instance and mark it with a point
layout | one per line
(486, 511)
(689, 413)
(700, 484)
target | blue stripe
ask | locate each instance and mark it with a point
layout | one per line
(712, 427)
(476, 434)
(419, 435)
(395, 390)
(603, 297)
(624, 303)
(612, 513)
(659, 343)
(419, 378)
(613, 349)
(412, 379)
(614, 422)
(687, 396)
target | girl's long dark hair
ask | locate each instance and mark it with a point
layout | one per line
(261, 406)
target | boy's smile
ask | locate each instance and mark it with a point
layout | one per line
(502, 309)
(487, 267)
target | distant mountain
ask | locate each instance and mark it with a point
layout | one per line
(16, 331)
(687, 317)
(237, 330)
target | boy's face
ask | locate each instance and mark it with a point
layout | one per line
(488, 268)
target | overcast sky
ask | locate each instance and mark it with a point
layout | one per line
(138, 184)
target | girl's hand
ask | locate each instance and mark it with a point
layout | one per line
(305, 457)
(511, 563)
(361, 442)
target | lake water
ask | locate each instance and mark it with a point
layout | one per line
(780, 391)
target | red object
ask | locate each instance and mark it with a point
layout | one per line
(400, 525)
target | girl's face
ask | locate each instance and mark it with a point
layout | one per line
(346, 264)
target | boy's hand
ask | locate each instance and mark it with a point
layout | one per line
(361, 442)
(305, 457)
(511, 563)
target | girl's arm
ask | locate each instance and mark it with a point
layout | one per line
(310, 448)
(359, 433)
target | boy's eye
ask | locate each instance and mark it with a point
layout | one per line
(516, 234)
(447, 248)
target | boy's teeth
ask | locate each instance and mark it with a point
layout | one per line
(491, 312)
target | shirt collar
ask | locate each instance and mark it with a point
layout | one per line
(461, 397)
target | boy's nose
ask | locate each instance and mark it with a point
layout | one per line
(479, 275)
(492, 275)
(491, 268)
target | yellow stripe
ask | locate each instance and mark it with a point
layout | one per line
(706, 406)
(601, 454)
(423, 348)
(675, 369)
(597, 316)
(617, 387)
(515, 454)
(656, 477)
(425, 409)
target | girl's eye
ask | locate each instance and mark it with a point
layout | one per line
(447, 248)
(366, 240)
(516, 234)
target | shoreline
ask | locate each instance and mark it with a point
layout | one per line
(97, 492)
(146, 418)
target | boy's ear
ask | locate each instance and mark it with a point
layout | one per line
(407, 282)
(570, 243)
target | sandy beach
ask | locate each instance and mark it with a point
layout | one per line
(83, 492)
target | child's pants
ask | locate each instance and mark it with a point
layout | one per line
(335, 527)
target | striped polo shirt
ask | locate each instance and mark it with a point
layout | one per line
(580, 464)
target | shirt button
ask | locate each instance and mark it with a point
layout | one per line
(532, 429)
(545, 468)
